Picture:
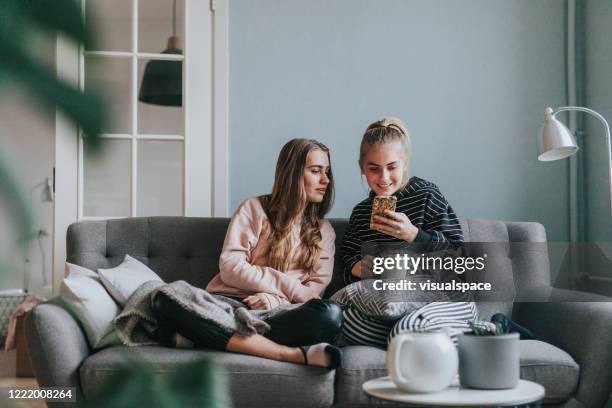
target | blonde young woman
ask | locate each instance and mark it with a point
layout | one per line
(278, 250)
(423, 217)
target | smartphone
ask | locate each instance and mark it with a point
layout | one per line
(380, 204)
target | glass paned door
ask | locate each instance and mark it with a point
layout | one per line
(138, 64)
(157, 159)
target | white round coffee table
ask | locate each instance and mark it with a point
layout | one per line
(525, 392)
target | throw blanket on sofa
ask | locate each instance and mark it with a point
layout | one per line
(370, 298)
(385, 305)
(137, 324)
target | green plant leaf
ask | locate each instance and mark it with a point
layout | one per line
(84, 108)
(20, 22)
(51, 15)
(129, 386)
(15, 199)
(200, 384)
(195, 384)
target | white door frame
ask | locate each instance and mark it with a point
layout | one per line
(65, 203)
(220, 108)
(206, 152)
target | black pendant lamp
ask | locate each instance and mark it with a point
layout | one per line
(162, 82)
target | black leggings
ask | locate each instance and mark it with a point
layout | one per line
(314, 322)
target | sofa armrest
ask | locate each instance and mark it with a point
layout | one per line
(57, 347)
(582, 326)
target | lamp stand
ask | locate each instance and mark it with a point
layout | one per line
(608, 142)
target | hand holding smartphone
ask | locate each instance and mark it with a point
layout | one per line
(380, 204)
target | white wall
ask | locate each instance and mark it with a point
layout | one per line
(597, 95)
(26, 144)
(27, 133)
(597, 92)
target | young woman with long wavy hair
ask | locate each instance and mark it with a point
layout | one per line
(278, 250)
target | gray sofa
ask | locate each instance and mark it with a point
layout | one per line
(573, 362)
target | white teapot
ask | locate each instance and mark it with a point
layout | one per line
(422, 362)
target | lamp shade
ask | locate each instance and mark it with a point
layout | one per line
(555, 141)
(162, 82)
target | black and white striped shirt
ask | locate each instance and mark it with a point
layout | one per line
(426, 208)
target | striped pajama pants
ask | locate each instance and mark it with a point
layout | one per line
(359, 329)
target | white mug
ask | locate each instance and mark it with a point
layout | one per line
(422, 362)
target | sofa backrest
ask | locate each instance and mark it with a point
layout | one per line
(174, 247)
(188, 248)
(517, 259)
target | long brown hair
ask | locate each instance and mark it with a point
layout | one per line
(288, 203)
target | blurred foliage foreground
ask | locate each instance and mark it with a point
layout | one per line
(197, 384)
(20, 22)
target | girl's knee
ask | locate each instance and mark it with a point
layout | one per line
(327, 314)
(162, 305)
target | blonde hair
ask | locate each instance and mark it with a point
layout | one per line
(383, 131)
(288, 202)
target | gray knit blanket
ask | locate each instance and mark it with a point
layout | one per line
(137, 324)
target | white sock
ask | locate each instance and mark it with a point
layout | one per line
(317, 355)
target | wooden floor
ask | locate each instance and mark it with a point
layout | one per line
(8, 380)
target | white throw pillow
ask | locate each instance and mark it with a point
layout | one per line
(84, 294)
(123, 280)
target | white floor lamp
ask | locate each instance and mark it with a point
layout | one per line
(557, 142)
(47, 196)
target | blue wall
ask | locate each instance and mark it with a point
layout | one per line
(471, 79)
(597, 26)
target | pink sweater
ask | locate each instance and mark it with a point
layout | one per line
(242, 265)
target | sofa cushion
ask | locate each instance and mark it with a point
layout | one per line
(84, 295)
(359, 364)
(123, 280)
(253, 381)
(550, 366)
(540, 362)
